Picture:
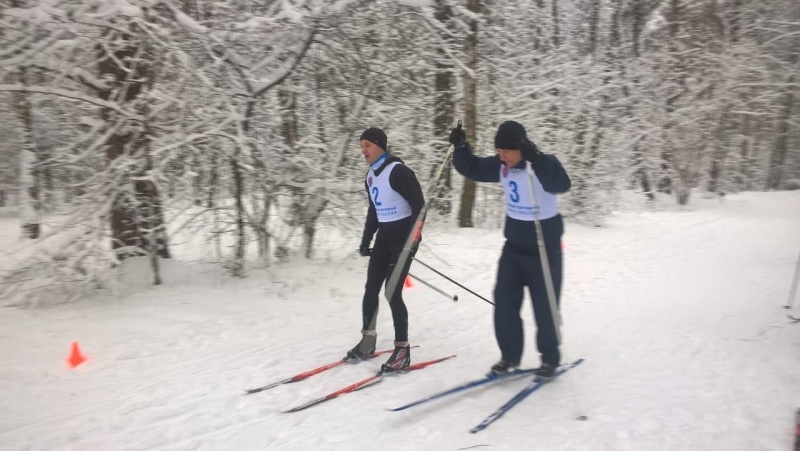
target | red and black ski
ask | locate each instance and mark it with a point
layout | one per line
(309, 373)
(372, 380)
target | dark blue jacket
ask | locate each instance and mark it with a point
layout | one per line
(551, 175)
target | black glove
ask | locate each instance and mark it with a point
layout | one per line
(364, 251)
(457, 136)
(529, 151)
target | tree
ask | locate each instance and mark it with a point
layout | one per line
(471, 109)
(235, 123)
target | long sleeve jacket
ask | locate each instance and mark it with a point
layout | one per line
(404, 181)
(549, 172)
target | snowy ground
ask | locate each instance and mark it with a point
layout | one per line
(677, 312)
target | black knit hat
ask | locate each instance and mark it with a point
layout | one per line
(509, 135)
(375, 135)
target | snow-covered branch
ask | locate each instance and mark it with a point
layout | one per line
(73, 95)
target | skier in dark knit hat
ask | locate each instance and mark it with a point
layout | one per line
(395, 201)
(520, 263)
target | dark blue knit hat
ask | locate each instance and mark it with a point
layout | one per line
(375, 135)
(509, 135)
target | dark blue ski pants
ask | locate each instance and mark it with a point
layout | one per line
(517, 269)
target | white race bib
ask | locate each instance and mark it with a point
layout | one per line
(389, 204)
(519, 204)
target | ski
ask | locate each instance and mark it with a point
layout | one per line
(309, 373)
(522, 394)
(465, 386)
(372, 380)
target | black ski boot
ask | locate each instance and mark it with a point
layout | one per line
(546, 372)
(364, 349)
(400, 359)
(502, 368)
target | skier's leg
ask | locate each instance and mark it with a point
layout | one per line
(508, 294)
(546, 336)
(396, 304)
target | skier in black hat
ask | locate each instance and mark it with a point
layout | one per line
(520, 263)
(395, 201)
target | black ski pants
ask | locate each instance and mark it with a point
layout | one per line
(516, 270)
(382, 262)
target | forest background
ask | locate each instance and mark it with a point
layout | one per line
(126, 123)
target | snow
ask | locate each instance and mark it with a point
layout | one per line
(677, 312)
(120, 7)
(35, 15)
(415, 3)
(187, 22)
(290, 13)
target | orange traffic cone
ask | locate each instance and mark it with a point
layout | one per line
(75, 357)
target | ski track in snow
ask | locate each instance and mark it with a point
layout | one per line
(676, 312)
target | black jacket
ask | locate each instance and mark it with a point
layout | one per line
(404, 181)
(551, 175)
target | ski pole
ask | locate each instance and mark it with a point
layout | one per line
(548, 276)
(416, 231)
(452, 281)
(454, 297)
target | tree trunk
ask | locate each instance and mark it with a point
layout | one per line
(556, 25)
(443, 107)
(29, 197)
(137, 220)
(675, 81)
(734, 21)
(313, 209)
(715, 173)
(640, 171)
(238, 194)
(151, 216)
(212, 186)
(288, 110)
(303, 210)
(471, 109)
(594, 19)
(777, 160)
(637, 12)
(198, 179)
(30, 187)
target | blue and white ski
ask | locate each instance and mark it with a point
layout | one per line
(465, 386)
(522, 394)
